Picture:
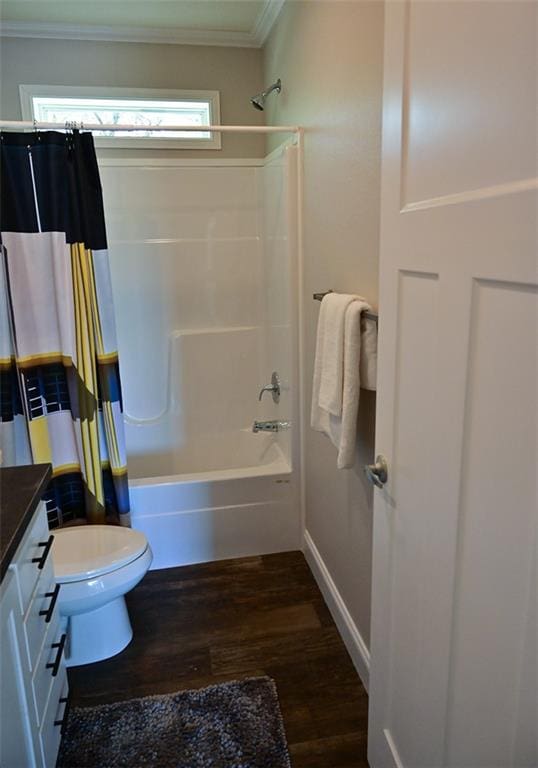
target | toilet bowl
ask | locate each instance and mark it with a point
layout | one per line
(96, 565)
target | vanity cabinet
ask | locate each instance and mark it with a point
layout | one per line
(17, 745)
(33, 678)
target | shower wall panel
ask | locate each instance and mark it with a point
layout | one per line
(185, 254)
(279, 290)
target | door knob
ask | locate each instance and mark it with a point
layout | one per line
(377, 473)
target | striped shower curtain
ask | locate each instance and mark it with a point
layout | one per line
(60, 385)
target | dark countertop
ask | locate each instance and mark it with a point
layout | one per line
(20, 492)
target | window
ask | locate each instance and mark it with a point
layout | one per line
(125, 106)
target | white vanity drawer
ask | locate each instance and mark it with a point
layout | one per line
(33, 555)
(42, 611)
(50, 732)
(48, 666)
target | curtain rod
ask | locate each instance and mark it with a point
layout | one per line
(72, 125)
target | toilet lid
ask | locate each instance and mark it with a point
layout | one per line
(85, 551)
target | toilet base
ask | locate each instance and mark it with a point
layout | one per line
(97, 635)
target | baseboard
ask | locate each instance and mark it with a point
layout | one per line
(351, 636)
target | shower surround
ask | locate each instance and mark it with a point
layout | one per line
(203, 262)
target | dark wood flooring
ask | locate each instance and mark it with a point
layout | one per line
(204, 624)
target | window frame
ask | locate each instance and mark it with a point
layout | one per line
(28, 92)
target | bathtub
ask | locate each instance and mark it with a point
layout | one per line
(235, 453)
(244, 505)
(203, 269)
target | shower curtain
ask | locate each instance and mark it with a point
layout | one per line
(60, 383)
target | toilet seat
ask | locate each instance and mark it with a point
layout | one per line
(86, 552)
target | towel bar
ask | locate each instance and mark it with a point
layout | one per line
(367, 315)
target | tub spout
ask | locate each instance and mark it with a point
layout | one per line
(270, 426)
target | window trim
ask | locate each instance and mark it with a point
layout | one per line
(28, 92)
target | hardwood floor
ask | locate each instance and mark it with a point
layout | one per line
(204, 624)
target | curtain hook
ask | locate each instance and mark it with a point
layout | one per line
(69, 136)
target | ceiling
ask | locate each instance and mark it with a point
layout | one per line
(214, 22)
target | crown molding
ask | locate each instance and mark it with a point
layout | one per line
(127, 34)
(253, 39)
(265, 21)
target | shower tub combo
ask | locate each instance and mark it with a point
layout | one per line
(203, 260)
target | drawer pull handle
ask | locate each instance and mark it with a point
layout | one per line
(63, 721)
(54, 595)
(55, 665)
(43, 559)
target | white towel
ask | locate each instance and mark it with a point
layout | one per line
(368, 367)
(341, 429)
(331, 350)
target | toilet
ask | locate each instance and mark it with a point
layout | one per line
(96, 565)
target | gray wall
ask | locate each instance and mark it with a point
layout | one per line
(329, 56)
(235, 72)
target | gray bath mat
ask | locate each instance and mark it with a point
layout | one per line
(232, 725)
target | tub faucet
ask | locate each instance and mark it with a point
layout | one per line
(270, 426)
(273, 387)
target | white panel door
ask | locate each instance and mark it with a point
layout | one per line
(454, 645)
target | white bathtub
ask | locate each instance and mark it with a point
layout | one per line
(244, 506)
(203, 267)
(235, 453)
